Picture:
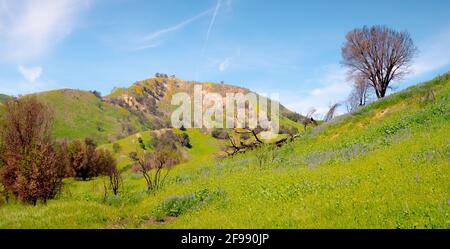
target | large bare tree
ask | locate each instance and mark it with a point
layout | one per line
(379, 54)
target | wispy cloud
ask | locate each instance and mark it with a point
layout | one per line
(155, 39)
(332, 87)
(224, 64)
(28, 28)
(31, 74)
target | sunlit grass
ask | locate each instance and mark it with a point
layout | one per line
(359, 171)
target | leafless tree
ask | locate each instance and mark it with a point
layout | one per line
(331, 112)
(115, 180)
(308, 119)
(379, 54)
(152, 165)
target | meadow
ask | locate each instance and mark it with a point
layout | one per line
(386, 165)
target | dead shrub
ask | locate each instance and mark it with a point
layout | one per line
(32, 164)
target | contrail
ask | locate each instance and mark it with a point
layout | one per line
(211, 25)
(152, 40)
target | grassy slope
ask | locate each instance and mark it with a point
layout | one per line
(205, 146)
(4, 98)
(384, 166)
(79, 114)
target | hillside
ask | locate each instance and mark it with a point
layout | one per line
(204, 145)
(80, 114)
(4, 98)
(143, 106)
(152, 97)
(383, 166)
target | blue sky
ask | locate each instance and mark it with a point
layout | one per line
(289, 47)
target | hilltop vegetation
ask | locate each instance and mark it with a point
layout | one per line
(385, 165)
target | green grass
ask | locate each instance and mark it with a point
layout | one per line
(384, 166)
(204, 146)
(4, 98)
(80, 114)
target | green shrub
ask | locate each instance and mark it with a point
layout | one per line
(141, 143)
(116, 148)
(185, 140)
(177, 205)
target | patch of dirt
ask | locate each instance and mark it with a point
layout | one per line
(393, 108)
(120, 223)
(166, 220)
(382, 113)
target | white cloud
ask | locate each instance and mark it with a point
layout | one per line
(31, 74)
(334, 88)
(434, 54)
(28, 28)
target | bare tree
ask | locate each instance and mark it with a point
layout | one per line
(331, 112)
(308, 119)
(115, 180)
(360, 94)
(361, 88)
(152, 165)
(379, 54)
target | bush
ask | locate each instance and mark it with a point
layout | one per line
(288, 130)
(185, 140)
(116, 148)
(85, 161)
(133, 156)
(220, 134)
(141, 143)
(152, 165)
(32, 164)
(166, 140)
(245, 136)
(178, 205)
(97, 94)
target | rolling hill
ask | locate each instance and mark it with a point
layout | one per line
(145, 105)
(385, 165)
(4, 98)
